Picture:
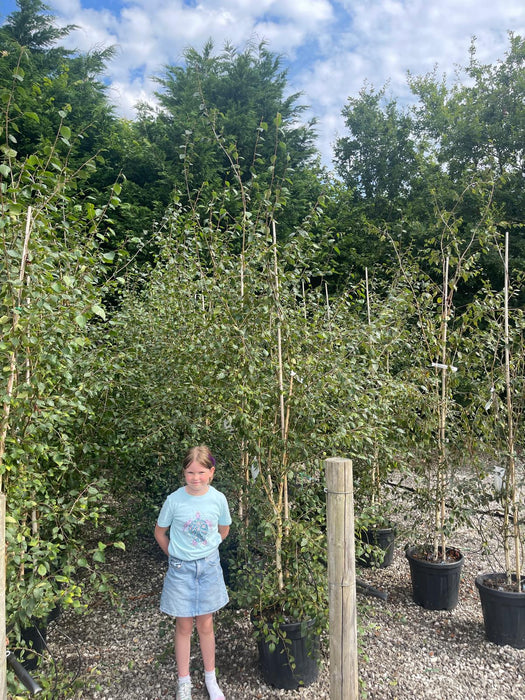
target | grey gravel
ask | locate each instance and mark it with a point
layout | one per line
(406, 652)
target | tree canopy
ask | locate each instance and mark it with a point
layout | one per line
(402, 164)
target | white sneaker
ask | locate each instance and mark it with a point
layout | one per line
(184, 691)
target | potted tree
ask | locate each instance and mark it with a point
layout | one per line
(375, 533)
(435, 568)
(387, 343)
(289, 604)
(435, 565)
(281, 567)
(502, 594)
(286, 391)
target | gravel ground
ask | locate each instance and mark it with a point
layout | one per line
(406, 652)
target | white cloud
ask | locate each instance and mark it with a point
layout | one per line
(128, 95)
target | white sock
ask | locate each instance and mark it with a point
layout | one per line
(184, 679)
(211, 684)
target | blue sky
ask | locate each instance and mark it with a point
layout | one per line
(331, 48)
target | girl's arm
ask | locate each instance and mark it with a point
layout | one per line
(161, 535)
(223, 531)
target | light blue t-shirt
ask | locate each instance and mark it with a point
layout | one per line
(193, 522)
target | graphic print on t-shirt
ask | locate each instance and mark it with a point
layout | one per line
(198, 528)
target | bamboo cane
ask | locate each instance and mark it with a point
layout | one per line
(442, 457)
(511, 488)
(12, 360)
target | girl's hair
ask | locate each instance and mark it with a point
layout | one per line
(200, 454)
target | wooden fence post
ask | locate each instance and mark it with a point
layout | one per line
(344, 682)
(3, 671)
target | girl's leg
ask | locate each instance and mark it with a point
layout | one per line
(207, 640)
(183, 631)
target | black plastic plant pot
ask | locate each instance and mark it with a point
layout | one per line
(293, 663)
(503, 611)
(34, 638)
(383, 538)
(435, 585)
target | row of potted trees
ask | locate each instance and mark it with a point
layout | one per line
(283, 376)
(435, 566)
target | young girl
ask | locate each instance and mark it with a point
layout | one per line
(192, 523)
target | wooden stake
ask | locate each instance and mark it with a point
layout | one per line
(367, 291)
(341, 580)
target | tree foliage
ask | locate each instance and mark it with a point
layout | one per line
(53, 280)
(235, 344)
(400, 164)
(232, 107)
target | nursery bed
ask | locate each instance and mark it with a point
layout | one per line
(406, 652)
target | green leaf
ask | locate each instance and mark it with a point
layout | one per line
(99, 311)
(8, 152)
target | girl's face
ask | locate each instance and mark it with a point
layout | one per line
(197, 478)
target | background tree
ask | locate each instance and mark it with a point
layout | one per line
(381, 167)
(378, 161)
(48, 91)
(33, 27)
(50, 78)
(231, 107)
(400, 164)
(478, 125)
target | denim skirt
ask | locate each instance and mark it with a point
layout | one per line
(193, 587)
